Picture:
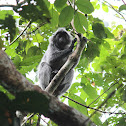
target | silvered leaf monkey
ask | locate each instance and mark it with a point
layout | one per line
(60, 47)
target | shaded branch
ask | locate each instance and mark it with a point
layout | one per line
(58, 112)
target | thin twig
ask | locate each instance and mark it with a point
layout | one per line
(37, 28)
(28, 118)
(38, 121)
(123, 2)
(69, 3)
(29, 23)
(43, 120)
(20, 34)
(108, 97)
(8, 5)
(91, 107)
(103, 93)
(115, 9)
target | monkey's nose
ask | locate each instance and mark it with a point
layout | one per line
(61, 39)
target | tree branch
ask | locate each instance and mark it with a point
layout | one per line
(8, 5)
(123, 2)
(58, 112)
(29, 23)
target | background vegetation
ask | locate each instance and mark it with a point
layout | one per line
(100, 80)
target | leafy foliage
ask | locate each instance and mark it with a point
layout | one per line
(98, 30)
(64, 13)
(102, 67)
(122, 7)
(80, 22)
(85, 6)
(36, 10)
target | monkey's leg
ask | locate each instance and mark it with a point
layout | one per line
(44, 74)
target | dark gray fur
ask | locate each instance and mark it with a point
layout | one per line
(59, 48)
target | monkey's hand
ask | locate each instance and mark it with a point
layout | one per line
(73, 41)
(81, 37)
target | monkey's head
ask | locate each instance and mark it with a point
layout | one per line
(61, 39)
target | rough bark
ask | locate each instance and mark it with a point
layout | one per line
(58, 112)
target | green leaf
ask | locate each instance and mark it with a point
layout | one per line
(66, 16)
(122, 121)
(85, 6)
(83, 63)
(78, 107)
(98, 30)
(96, 119)
(40, 13)
(32, 51)
(11, 49)
(124, 95)
(74, 88)
(80, 22)
(17, 60)
(31, 60)
(4, 14)
(123, 57)
(109, 34)
(26, 69)
(5, 19)
(59, 3)
(55, 16)
(105, 7)
(90, 91)
(122, 7)
(1, 43)
(92, 50)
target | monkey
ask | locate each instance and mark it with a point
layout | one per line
(60, 47)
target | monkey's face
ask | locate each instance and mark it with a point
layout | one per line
(62, 40)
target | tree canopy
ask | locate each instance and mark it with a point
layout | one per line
(99, 87)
